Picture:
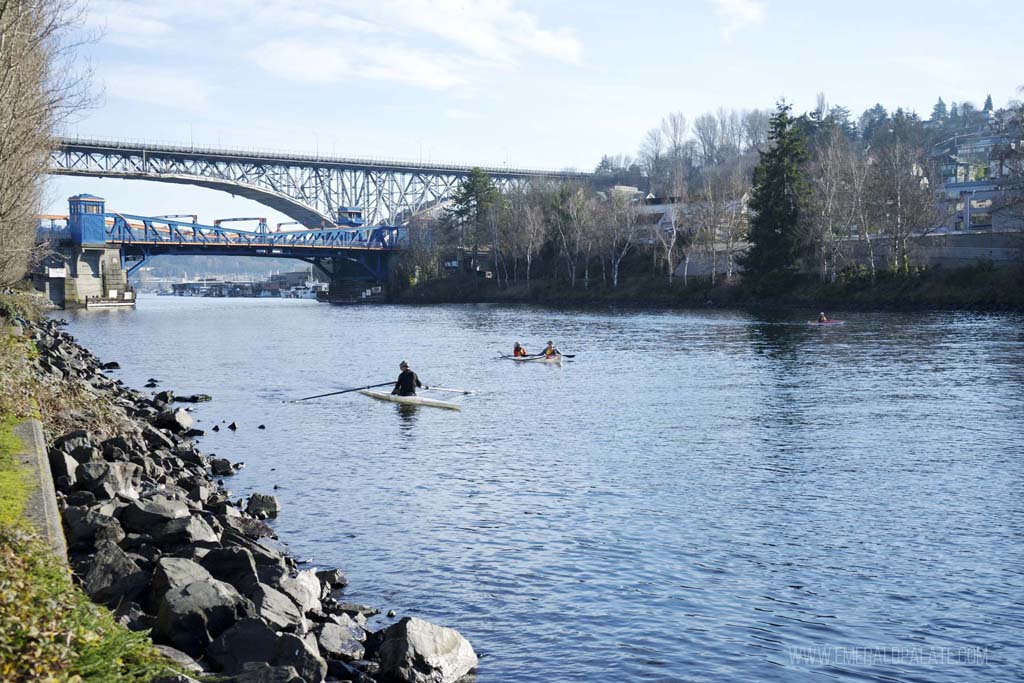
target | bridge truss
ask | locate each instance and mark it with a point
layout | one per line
(309, 189)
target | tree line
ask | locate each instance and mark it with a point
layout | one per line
(817, 192)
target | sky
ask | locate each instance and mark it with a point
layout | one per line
(529, 83)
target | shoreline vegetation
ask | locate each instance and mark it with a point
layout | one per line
(171, 580)
(982, 287)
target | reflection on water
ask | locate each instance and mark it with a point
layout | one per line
(697, 496)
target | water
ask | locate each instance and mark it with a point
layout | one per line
(700, 496)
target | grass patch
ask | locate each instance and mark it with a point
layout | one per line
(14, 484)
(52, 632)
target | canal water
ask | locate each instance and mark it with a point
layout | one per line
(697, 496)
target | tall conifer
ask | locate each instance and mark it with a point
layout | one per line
(778, 200)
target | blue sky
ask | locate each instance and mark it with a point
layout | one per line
(546, 84)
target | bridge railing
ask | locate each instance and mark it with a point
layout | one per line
(144, 230)
(52, 229)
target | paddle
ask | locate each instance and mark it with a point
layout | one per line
(454, 391)
(345, 391)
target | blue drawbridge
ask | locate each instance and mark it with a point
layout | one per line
(140, 238)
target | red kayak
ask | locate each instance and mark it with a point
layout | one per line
(826, 322)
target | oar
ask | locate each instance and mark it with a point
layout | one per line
(345, 391)
(454, 391)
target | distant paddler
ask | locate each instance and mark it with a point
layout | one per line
(518, 351)
(822, 318)
(407, 382)
(550, 350)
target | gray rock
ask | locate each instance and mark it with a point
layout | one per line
(191, 616)
(275, 607)
(112, 365)
(154, 438)
(417, 651)
(113, 575)
(250, 640)
(145, 515)
(72, 440)
(176, 421)
(233, 565)
(263, 506)
(190, 530)
(252, 528)
(340, 642)
(257, 672)
(109, 479)
(221, 467)
(165, 396)
(85, 527)
(301, 654)
(171, 573)
(63, 465)
(332, 577)
(180, 658)
(194, 398)
(303, 588)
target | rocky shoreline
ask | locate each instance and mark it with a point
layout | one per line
(153, 534)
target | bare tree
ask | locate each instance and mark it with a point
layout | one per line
(834, 203)
(755, 129)
(900, 193)
(40, 88)
(705, 129)
(620, 226)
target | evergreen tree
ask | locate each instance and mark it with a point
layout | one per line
(988, 103)
(939, 112)
(473, 204)
(778, 200)
(871, 120)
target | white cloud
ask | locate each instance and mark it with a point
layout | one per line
(496, 32)
(156, 85)
(326, 64)
(738, 14)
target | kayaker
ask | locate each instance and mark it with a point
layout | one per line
(407, 381)
(518, 350)
(551, 350)
(822, 318)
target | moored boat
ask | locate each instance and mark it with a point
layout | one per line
(410, 400)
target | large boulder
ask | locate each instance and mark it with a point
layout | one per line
(63, 465)
(191, 616)
(176, 421)
(113, 577)
(145, 515)
(171, 573)
(341, 642)
(262, 506)
(233, 565)
(84, 527)
(250, 640)
(110, 479)
(416, 651)
(192, 530)
(302, 654)
(258, 672)
(303, 588)
(275, 607)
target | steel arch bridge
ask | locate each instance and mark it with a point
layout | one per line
(308, 188)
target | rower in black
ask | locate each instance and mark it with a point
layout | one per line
(407, 381)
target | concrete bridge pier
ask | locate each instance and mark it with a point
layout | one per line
(357, 280)
(84, 270)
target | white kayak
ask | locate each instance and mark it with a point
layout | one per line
(556, 359)
(410, 400)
